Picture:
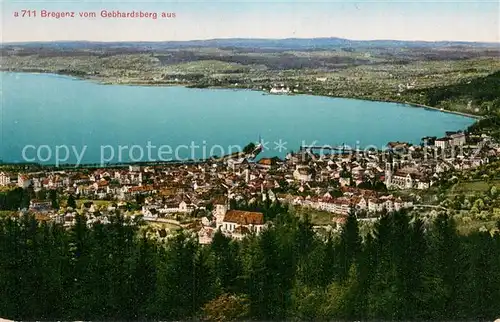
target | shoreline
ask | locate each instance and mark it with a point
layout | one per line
(473, 116)
(103, 81)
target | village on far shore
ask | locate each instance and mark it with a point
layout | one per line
(207, 196)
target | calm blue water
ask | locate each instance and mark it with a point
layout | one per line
(50, 110)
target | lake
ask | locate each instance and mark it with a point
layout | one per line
(50, 118)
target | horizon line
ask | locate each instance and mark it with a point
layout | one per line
(250, 38)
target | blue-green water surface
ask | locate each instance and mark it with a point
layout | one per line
(50, 110)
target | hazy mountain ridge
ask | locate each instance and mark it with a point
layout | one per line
(287, 43)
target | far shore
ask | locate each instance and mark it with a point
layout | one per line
(105, 81)
(478, 117)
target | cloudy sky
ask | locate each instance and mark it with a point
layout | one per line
(465, 20)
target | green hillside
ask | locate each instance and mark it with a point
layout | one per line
(479, 95)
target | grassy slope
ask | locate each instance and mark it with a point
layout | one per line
(473, 187)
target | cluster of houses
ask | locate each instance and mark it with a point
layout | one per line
(67, 217)
(354, 199)
(337, 183)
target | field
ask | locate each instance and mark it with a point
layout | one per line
(100, 203)
(166, 226)
(473, 187)
(465, 228)
(317, 217)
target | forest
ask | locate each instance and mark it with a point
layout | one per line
(481, 92)
(405, 269)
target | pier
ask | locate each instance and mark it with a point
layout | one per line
(339, 148)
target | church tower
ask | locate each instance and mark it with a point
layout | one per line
(388, 174)
(247, 175)
(221, 207)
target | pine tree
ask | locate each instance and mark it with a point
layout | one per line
(80, 248)
(253, 275)
(444, 278)
(176, 296)
(144, 277)
(53, 199)
(483, 296)
(204, 286)
(349, 246)
(11, 269)
(382, 296)
(71, 202)
(226, 262)
(402, 263)
(415, 259)
(367, 266)
(328, 268)
(272, 305)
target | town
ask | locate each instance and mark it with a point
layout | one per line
(207, 196)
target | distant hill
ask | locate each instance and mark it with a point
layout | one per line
(289, 43)
(482, 92)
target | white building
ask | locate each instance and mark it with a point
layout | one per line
(375, 205)
(181, 207)
(403, 180)
(442, 143)
(4, 179)
(457, 139)
(276, 90)
(23, 181)
(134, 168)
(205, 235)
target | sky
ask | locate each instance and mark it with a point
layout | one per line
(465, 20)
